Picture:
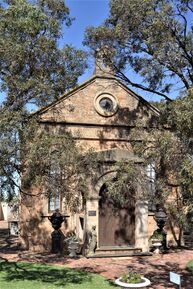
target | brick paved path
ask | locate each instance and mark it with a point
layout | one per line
(156, 267)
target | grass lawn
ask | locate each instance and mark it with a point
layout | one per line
(35, 276)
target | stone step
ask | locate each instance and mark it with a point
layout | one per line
(7, 241)
(117, 255)
(10, 243)
(188, 243)
(118, 251)
(4, 233)
(188, 240)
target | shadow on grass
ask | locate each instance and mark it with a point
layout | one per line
(43, 273)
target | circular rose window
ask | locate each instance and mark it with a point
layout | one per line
(106, 104)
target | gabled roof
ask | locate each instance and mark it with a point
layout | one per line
(89, 81)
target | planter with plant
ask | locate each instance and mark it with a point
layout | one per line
(132, 280)
(156, 241)
(157, 235)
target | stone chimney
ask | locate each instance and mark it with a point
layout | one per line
(103, 55)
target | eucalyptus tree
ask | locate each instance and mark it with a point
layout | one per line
(153, 38)
(35, 69)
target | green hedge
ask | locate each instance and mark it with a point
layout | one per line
(189, 266)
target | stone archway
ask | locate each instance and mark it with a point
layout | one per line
(116, 223)
(140, 221)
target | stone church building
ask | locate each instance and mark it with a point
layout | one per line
(101, 114)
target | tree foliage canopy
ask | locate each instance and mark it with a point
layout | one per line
(171, 153)
(35, 69)
(152, 37)
(54, 164)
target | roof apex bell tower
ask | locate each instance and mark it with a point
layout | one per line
(103, 57)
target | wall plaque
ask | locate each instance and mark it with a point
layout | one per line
(92, 213)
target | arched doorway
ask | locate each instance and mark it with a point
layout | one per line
(116, 223)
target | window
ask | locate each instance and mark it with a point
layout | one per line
(54, 198)
(106, 104)
(54, 202)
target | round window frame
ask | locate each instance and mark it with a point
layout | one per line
(102, 111)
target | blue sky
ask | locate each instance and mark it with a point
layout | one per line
(86, 13)
(92, 13)
(89, 13)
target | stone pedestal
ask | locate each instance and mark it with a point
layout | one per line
(141, 225)
(57, 238)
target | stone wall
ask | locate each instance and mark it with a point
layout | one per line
(77, 113)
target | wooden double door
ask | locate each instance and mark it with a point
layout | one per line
(116, 222)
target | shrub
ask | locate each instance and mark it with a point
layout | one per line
(189, 266)
(132, 278)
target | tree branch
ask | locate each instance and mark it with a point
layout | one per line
(169, 67)
(185, 20)
(122, 76)
(190, 8)
(182, 45)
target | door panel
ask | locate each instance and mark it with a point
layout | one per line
(116, 223)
